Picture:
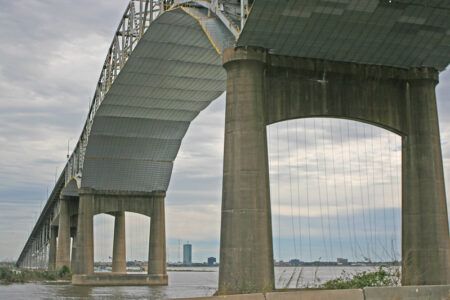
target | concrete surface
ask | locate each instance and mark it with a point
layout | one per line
(157, 241)
(119, 258)
(246, 254)
(425, 231)
(52, 248)
(317, 295)
(379, 293)
(408, 293)
(230, 297)
(85, 235)
(63, 248)
(74, 250)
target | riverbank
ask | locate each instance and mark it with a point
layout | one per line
(9, 275)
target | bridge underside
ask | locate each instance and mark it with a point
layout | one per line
(398, 33)
(173, 74)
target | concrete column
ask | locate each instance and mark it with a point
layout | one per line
(246, 251)
(157, 244)
(63, 249)
(425, 231)
(39, 250)
(85, 235)
(33, 260)
(52, 249)
(119, 259)
(74, 248)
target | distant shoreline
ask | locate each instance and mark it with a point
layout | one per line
(190, 270)
(305, 264)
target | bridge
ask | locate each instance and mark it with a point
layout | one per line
(374, 61)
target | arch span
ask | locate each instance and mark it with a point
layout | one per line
(302, 88)
(173, 74)
(335, 185)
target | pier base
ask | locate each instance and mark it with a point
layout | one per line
(114, 279)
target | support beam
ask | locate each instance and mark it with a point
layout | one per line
(63, 249)
(246, 254)
(52, 248)
(119, 263)
(425, 231)
(157, 244)
(85, 235)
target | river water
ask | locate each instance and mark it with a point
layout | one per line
(183, 282)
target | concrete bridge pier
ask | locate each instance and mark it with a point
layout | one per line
(266, 88)
(74, 248)
(157, 244)
(425, 231)
(63, 249)
(92, 202)
(36, 256)
(85, 235)
(119, 263)
(32, 256)
(246, 251)
(52, 248)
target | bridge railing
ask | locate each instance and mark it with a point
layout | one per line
(41, 229)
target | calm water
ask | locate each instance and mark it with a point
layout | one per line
(193, 283)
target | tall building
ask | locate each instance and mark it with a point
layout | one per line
(187, 254)
(211, 261)
(342, 261)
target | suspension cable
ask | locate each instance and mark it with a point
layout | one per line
(319, 190)
(383, 192)
(326, 189)
(335, 191)
(362, 197)
(290, 190)
(369, 202)
(298, 190)
(344, 177)
(278, 195)
(394, 235)
(307, 191)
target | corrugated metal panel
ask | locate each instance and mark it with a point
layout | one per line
(135, 127)
(172, 82)
(114, 174)
(393, 33)
(172, 75)
(171, 104)
(126, 111)
(133, 148)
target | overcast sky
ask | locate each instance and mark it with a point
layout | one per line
(51, 55)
